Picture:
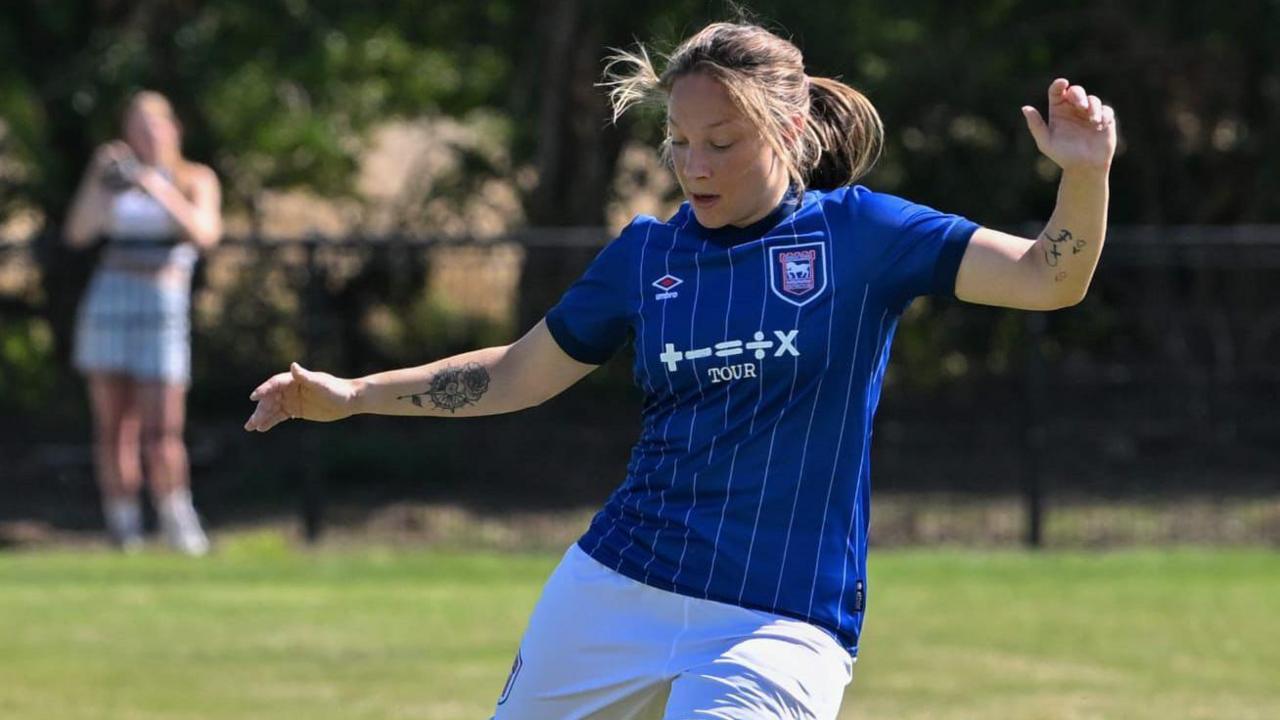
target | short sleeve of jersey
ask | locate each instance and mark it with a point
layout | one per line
(918, 249)
(591, 320)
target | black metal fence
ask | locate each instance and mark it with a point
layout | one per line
(1146, 414)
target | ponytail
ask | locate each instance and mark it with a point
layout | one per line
(848, 130)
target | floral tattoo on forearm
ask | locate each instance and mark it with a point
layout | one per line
(453, 387)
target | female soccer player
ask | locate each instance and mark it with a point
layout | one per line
(726, 577)
(157, 210)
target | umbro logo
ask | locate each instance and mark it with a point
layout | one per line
(667, 284)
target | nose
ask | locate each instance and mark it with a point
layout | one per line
(697, 163)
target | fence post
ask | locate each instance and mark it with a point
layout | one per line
(1034, 407)
(312, 501)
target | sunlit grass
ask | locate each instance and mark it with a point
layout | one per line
(263, 630)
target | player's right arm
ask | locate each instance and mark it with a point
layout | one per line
(490, 381)
(89, 209)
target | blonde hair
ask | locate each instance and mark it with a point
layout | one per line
(142, 100)
(841, 135)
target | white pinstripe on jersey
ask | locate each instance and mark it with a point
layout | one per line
(693, 314)
(817, 397)
(844, 417)
(773, 436)
(662, 336)
(854, 519)
(639, 313)
(715, 548)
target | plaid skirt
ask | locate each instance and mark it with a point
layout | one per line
(136, 325)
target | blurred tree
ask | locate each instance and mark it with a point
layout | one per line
(279, 93)
(273, 94)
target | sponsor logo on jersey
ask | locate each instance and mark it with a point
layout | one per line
(782, 344)
(798, 273)
(666, 283)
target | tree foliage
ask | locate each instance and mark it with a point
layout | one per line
(279, 92)
(275, 93)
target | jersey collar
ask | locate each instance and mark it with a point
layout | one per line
(728, 235)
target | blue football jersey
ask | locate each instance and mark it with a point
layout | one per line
(761, 352)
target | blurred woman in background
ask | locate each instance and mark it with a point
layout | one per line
(156, 210)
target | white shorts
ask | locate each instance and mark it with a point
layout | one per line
(600, 645)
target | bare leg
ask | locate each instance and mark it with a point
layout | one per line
(163, 420)
(116, 453)
(163, 423)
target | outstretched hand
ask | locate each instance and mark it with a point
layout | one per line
(1080, 132)
(300, 394)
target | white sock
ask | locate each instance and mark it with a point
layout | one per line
(124, 516)
(176, 507)
(180, 524)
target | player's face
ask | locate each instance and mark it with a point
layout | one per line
(727, 171)
(152, 133)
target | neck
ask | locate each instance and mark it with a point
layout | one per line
(733, 233)
(167, 161)
(773, 197)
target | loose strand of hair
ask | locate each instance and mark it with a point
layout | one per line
(630, 80)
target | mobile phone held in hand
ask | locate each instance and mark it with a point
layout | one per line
(120, 174)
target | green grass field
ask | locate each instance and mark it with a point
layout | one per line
(266, 631)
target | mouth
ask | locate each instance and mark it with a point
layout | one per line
(701, 200)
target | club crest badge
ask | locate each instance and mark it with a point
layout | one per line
(798, 273)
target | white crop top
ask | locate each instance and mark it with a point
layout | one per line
(135, 215)
(137, 228)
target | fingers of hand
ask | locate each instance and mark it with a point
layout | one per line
(253, 423)
(1078, 99)
(1062, 92)
(1095, 110)
(1080, 105)
(115, 150)
(274, 419)
(264, 417)
(1096, 114)
(1056, 90)
(272, 385)
(1036, 124)
(278, 399)
(268, 421)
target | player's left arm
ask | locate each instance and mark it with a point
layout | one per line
(1053, 270)
(199, 216)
